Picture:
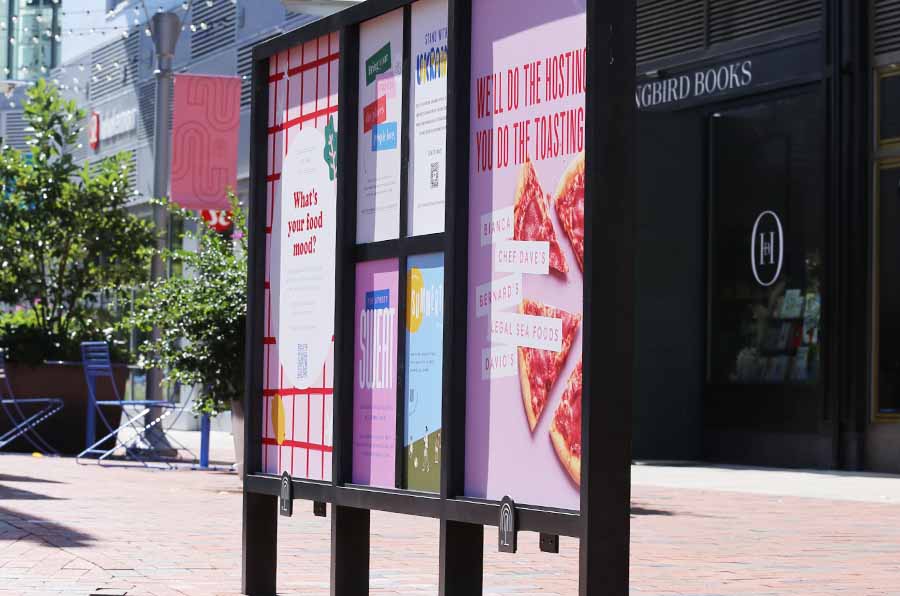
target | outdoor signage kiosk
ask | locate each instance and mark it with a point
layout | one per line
(441, 282)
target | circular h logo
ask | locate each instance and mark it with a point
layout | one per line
(767, 248)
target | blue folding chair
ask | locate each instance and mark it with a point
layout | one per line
(25, 425)
(97, 365)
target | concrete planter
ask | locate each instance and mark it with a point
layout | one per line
(66, 429)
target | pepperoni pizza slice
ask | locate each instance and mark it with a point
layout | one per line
(532, 216)
(569, 203)
(565, 430)
(539, 369)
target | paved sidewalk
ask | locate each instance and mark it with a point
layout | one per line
(69, 529)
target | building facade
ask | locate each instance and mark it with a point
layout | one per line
(769, 191)
(115, 81)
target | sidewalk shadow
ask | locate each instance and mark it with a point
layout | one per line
(8, 493)
(638, 510)
(14, 528)
(12, 478)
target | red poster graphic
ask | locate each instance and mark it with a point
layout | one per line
(374, 113)
(205, 127)
(297, 421)
(216, 219)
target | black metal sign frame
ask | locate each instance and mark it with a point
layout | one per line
(602, 524)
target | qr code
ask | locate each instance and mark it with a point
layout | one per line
(302, 361)
(435, 174)
(413, 402)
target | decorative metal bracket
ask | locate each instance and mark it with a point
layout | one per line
(286, 507)
(508, 534)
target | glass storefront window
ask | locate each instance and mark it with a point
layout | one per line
(767, 244)
(888, 117)
(888, 291)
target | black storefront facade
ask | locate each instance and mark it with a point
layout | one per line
(768, 276)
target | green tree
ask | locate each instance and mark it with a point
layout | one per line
(66, 233)
(201, 315)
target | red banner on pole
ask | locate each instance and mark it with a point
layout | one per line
(205, 130)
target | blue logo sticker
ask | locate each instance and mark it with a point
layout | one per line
(378, 299)
(384, 136)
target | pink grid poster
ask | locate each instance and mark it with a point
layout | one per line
(298, 356)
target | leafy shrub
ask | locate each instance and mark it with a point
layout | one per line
(201, 315)
(24, 341)
(67, 235)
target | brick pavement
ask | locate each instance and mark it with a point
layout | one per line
(67, 529)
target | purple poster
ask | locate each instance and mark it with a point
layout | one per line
(375, 373)
(526, 251)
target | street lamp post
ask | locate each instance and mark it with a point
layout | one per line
(165, 28)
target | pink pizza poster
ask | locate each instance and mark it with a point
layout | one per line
(526, 251)
(375, 373)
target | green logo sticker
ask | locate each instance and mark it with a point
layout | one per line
(331, 147)
(378, 63)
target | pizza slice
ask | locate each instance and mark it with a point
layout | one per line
(569, 203)
(532, 216)
(565, 430)
(539, 369)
